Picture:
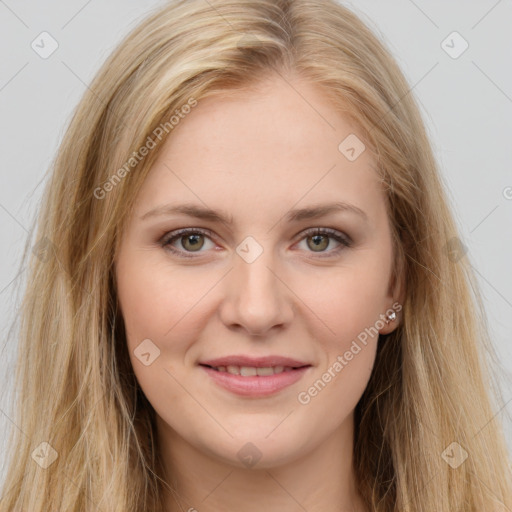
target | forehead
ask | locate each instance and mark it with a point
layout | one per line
(279, 143)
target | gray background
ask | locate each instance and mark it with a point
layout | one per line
(466, 103)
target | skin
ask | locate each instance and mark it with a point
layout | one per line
(255, 155)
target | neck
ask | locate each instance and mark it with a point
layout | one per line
(322, 480)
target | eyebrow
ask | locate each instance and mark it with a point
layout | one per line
(296, 215)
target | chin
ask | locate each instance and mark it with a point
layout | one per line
(255, 451)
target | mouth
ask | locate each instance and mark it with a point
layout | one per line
(252, 371)
(250, 377)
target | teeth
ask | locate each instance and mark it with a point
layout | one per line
(251, 371)
(265, 371)
(247, 371)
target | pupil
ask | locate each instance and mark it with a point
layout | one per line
(318, 239)
(192, 241)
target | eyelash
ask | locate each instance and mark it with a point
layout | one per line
(165, 242)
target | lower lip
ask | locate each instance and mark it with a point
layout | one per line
(258, 385)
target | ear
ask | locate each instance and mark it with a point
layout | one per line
(396, 297)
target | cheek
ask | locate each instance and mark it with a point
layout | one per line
(347, 305)
(158, 308)
(346, 302)
(156, 300)
(169, 308)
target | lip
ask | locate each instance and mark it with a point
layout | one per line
(256, 362)
(257, 386)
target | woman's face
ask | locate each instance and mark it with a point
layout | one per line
(261, 291)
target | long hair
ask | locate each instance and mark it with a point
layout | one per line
(427, 432)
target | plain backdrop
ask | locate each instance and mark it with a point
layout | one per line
(463, 83)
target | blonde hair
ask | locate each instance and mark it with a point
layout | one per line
(431, 385)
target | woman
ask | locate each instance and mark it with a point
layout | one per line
(246, 290)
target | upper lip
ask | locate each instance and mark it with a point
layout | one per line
(255, 362)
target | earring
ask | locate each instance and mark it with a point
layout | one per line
(390, 317)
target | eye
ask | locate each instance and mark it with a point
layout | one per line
(318, 239)
(192, 241)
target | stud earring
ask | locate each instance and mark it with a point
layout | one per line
(390, 317)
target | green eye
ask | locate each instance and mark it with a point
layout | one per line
(320, 240)
(192, 240)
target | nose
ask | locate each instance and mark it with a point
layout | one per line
(257, 298)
